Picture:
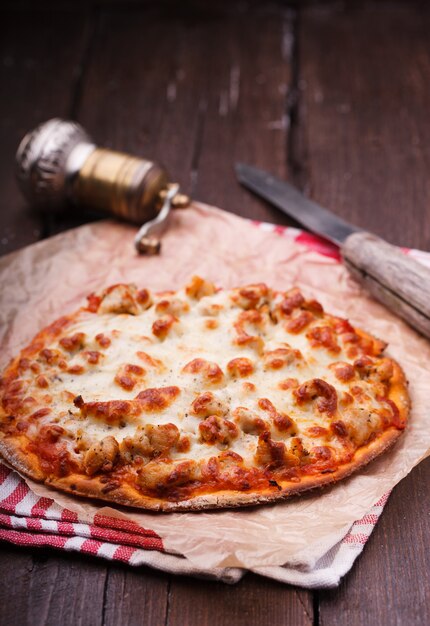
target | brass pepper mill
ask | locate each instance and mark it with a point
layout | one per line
(58, 163)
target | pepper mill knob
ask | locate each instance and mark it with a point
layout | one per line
(43, 164)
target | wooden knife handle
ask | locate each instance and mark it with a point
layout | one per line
(391, 276)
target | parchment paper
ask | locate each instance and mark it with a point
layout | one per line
(53, 277)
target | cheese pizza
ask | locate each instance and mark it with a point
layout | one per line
(199, 398)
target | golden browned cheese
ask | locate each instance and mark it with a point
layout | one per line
(200, 397)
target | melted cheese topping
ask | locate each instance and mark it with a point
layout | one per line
(202, 381)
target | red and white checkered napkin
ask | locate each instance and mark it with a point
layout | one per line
(29, 520)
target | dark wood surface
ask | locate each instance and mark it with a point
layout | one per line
(334, 96)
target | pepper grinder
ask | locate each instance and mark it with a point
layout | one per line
(59, 164)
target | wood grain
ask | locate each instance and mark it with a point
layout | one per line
(42, 587)
(253, 601)
(135, 597)
(245, 109)
(395, 279)
(16, 566)
(41, 56)
(363, 141)
(364, 100)
(200, 89)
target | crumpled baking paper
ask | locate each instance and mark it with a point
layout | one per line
(52, 277)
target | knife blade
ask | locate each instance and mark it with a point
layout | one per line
(392, 277)
(292, 202)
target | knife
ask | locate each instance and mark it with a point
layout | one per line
(392, 277)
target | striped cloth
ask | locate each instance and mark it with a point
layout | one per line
(29, 520)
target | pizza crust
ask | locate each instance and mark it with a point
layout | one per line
(104, 485)
(25, 464)
(78, 485)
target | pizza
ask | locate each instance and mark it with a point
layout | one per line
(199, 398)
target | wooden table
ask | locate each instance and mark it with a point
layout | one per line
(334, 97)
